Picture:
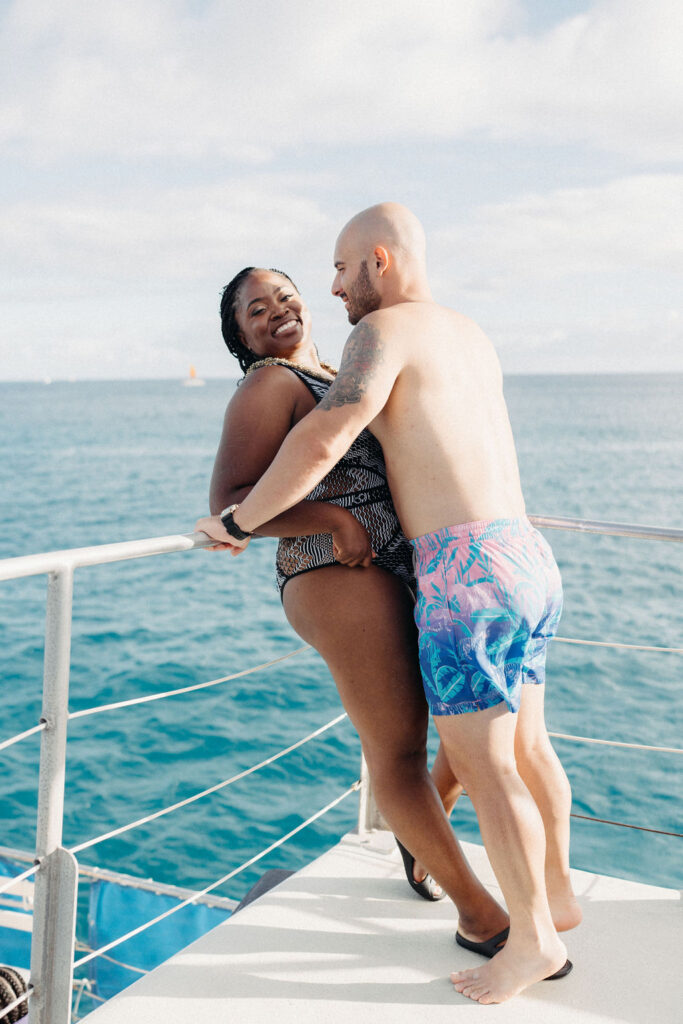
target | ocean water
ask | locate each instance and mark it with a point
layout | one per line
(91, 463)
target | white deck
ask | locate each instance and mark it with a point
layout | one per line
(345, 940)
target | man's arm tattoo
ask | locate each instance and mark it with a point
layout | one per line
(362, 356)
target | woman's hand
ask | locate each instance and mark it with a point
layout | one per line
(351, 542)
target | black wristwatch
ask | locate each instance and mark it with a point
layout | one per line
(231, 526)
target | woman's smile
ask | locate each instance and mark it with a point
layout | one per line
(290, 324)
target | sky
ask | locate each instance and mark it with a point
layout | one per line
(152, 148)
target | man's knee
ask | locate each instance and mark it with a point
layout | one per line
(535, 754)
(482, 767)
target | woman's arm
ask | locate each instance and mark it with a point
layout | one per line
(257, 420)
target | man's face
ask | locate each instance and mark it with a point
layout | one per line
(353, 286)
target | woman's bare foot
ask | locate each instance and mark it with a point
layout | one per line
(419, 875)
(512, 970)
(419, 872)
(483, 922)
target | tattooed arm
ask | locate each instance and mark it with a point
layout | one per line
(363, 385)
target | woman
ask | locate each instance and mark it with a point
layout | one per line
(342, 567)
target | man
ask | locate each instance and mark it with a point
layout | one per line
(427, 382)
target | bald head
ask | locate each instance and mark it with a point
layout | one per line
(389, 225)
(380, 259)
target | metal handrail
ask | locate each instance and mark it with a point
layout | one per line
(56, 869)
(636, 531)
(75, 558)
(99, 554)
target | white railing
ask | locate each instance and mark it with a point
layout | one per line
(55, 868)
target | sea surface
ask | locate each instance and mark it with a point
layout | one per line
(91, 463)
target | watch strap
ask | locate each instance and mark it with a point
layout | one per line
(227, 518)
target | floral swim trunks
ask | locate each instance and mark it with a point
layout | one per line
(489, 600)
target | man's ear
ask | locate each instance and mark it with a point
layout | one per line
(382, 260)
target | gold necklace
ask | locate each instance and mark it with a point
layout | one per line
(274, 360)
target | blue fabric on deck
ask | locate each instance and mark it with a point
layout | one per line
(117, 909)
(15, 944)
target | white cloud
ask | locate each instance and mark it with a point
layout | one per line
(613, 343)
(163, 145)
(140, 238)
(630, 224)
(173, 79)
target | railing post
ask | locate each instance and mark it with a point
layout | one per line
(369, 817)
(54, 906)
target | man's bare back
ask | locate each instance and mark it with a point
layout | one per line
(444, 428)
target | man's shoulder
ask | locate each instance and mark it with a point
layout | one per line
(427, 320)
(405, 311)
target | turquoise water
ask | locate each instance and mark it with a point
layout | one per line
(90, 463)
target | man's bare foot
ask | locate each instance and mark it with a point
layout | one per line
(510, 972)
(564, 906)
(566, 912)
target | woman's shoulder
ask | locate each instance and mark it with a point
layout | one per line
(271, 382)
(268, 377)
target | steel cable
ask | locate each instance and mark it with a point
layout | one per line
(614, 743)
(212, 789)
(184, 689)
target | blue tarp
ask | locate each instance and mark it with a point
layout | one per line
(116, 909)
(15, 945)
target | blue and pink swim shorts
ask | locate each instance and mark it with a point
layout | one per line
(489, 600)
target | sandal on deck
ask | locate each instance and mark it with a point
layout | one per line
(487, 948)
(427, 887)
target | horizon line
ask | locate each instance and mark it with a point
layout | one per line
(47, 380)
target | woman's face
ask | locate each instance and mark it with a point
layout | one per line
(272, 316)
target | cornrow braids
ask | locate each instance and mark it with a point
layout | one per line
(229, 327)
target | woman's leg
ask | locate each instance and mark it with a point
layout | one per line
(545, 778)
(361, 622)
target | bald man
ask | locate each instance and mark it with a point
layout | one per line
(427, 383)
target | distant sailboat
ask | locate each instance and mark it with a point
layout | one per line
(193, 381)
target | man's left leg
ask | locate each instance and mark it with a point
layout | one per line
(480, 749)
(449, 789)
(545, 778)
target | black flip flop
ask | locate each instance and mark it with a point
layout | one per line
(489, 948)
(427, 887)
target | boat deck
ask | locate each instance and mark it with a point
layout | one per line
(345, 939)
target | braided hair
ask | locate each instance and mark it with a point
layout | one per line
(229, 327)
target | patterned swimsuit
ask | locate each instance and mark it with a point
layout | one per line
(358, 483)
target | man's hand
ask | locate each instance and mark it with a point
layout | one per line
(351, 543)
(213, 527)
